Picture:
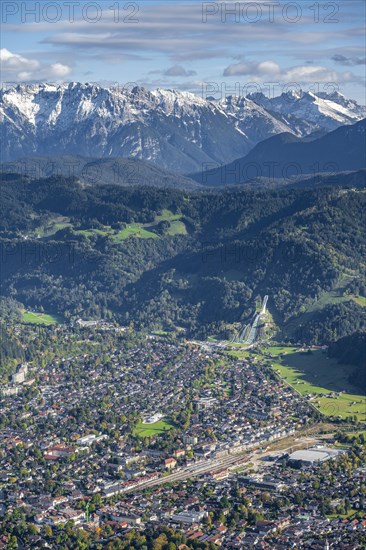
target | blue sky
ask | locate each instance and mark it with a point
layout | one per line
(208, 48)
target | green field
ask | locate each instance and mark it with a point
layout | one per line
(149, 430)
(240, 353)
(177, 227)
(137, 230)
(317, 376)
(360, 300)
(167, 216)
(38, 318)
(53, 225)
(278, 350)
(134, 230)
(91, 232)
(131, 230)
(239, 345)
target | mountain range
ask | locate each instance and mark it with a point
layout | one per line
(96, 171)
(166, 258)
(285, 157)
(176, 131)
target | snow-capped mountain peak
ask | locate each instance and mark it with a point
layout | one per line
(176, 130)
(323, 111)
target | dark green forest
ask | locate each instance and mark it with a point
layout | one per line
(165, 258)
(351, 350)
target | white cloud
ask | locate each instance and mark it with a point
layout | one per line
(313, 73)
(167, 35)
(17, 68)
(243, 68)
(178, 70)
(59, 70)
(265, 70)
(239, 69)
(268, 67)
(13, 62)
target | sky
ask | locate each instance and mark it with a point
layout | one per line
(208, 48)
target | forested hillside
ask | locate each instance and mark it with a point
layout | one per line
(164, 258)
(351, 350)
(284, 156)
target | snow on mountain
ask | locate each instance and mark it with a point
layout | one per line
(253, 120)
(323, 111)
(350, 105)
(175, 130)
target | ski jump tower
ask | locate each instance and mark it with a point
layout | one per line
(264, 305)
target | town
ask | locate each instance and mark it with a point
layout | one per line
(115, 439)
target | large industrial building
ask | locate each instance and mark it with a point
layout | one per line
(314, 455)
